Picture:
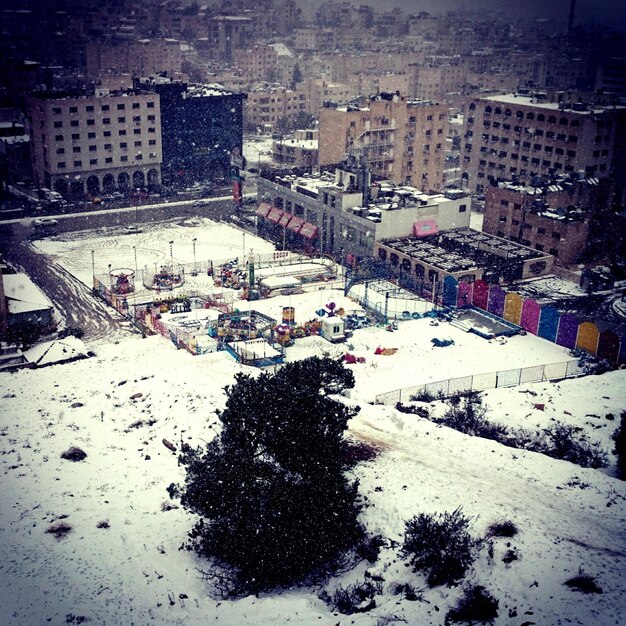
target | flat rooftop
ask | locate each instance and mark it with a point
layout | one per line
(462, 250)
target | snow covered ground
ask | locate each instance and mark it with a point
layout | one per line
(121, 563)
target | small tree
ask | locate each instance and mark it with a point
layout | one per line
(296, 77)
(440, 546)
(619, 437)
(274, 503)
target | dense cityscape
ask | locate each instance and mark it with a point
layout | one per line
(211, 194)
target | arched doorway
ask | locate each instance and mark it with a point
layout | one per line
(139, 180)
(93, 185)
(77, 189)
(123, 182)
(60, 186)
(108, 183)
(153, 178)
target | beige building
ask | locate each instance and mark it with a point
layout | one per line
(401, 140)
(317, 91)
(138, 58)
(95, 143)
(297, 151)
(265, 108)
(434, 82)
(519, 136)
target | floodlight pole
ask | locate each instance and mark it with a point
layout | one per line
(193, 241)
(93, 269)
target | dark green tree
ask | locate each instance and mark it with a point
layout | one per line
(619, 437)
(296, 77)
(274, 503)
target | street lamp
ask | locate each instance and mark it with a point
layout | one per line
(193, 241)
(172, 254)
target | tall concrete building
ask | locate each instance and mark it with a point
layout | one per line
(524, 136)
(202, 128)
(399, 139)
(93, 142)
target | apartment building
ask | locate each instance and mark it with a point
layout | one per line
(258, 62)
(401, 140)
(264, 108)
(434, 82)
(526, 136)
(318, 91)
(93, 142)
(138, 58)
(297, 151)
(565, 217)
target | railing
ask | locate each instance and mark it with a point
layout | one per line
(480, 382)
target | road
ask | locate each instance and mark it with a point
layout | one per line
(72, 299)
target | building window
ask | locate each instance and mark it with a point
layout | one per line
(152, 142)
(139, 157)
(135, 105)
(75, 136)
(556, 235)
(136, 118)
(91, 135)
(137, 144)
(124, 159)
(121, 120)
(92, 148)
(108, 160)
(76, 149)
(78, 163)
(554, 252)
(93, 161)
(106, 133)
(58, 124)
(137, 131)
(56, 110)
(106, 120)
(462, 208)
(59, 138)
(123, 145)
(60, 150)
(122, 133)
(104, 107)
(61, 165)
(151, 129)
(150, 104)
(89, 108)
(151, 118)
(74, 123)
(539, 247)
(121, 107)
(541, 230)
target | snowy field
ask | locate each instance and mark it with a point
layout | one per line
(121, 563)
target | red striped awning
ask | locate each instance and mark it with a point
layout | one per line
(308, 230)
(264, 209)
(285, 219)
(295, 224)
(274, 215)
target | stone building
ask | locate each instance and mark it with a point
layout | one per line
(95, 142)
(401, 140)
(566, 217)
(526, 136)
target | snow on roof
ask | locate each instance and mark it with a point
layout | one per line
(56, 351)
(255, 349)
(512, 98)
(281, 50)
(23, 295)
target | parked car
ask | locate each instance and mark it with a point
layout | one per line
(132, 230)
(44, 222)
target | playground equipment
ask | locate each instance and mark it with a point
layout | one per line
(122, 281)
(167, 279)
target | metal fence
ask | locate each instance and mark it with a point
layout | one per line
(480, 382)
